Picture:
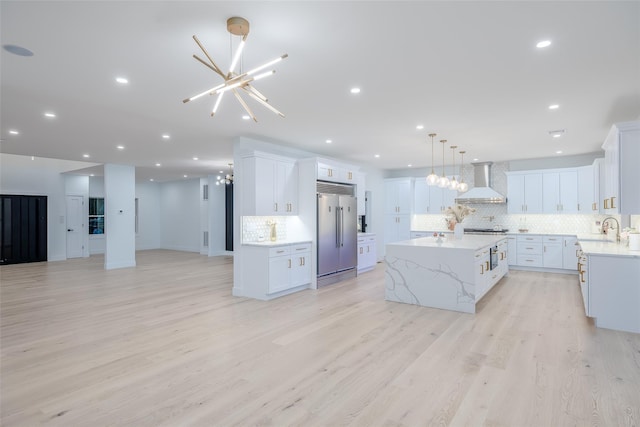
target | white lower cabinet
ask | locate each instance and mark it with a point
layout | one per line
(570, 250)
(552, 251)
(482, 272)
(543, 251)
(367, 257)
(529, 251)
(512, 254)
(287, 267)
(397, 228)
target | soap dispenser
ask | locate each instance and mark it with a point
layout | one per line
(272, 231)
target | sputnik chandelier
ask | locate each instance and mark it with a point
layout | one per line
(236, 81)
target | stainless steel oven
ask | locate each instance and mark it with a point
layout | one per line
(494, 257)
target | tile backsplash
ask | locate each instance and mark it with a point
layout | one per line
(257, 228)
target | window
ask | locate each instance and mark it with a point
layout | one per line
(96, 215)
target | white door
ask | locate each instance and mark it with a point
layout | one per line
(75, 226)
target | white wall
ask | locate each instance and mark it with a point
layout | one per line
(78, 185)
(119, 216)
(149, 229)
(180, 215)
(21, 175)
(216, 219)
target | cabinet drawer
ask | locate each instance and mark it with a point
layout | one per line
(279, 251)
(302, 247)
(530, 260)
(552, 239)
(529, 239)
(529, 248)
(371, 239)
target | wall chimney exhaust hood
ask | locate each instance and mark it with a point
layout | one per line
(482, 191)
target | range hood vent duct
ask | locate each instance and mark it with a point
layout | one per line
(482, 191)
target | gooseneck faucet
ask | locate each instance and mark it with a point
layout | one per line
(617, 227)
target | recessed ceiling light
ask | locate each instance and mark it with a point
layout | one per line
(420, 127)
(245, 117)
(151, 179)
(355, 90)
(166, 136)
(13, 132)
(554, 107)
(475, 160)
(33, 157)
(377, 156)
(409, 166)
(559, 152)
(86, 156)
(91, 174)
(50, 115)
(543, 43)
(195, 158)
(557, 133)
(120, 147)
(17, 50)
(122, 80)
(220, 172)
(158, 164)
(328, 141)
(184, 176)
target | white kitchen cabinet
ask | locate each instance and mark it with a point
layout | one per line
(560, 191)
(360, 193)
(300, 272)
(397, 228)
(512, 254)
(552, 252)
(272, 186)
(570, 253)
(367, 257)
(503, 256)
(431, 199)
(398, 195)
(529, 251)
(524, 192)
(622, 174)
(588, 188)
(419, 234)
(421, 197)
(336, 173)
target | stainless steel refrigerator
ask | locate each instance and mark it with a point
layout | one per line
(337, 236)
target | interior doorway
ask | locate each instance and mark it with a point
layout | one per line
(75, 227)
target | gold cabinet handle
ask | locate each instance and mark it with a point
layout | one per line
(275, 207)
(582, 277)
(613, 206)
(487, 263)
(482, 268)
(606, 203)
(289, 262)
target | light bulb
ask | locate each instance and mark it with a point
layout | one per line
(443, 182)
(432, 179)
(462, 187)
(453, 184)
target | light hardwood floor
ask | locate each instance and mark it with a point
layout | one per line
(165, 344)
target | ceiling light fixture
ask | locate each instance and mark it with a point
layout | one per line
(554, 107)
(443, 182)
(377, 156)
(543, 43)
(557, 133)
(559, 152)
(228, 178)
(463, 186)
(122, 80)
(50, 115)
(453, 184)
(420, 127)
(237, 80)
(355, 90)
(328, 141)
(432, 178)
(195, 158)
(86, 156)
(166, 136)
(158, 165)
(120, 147)
(13, 132)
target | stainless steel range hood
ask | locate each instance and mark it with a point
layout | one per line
(482, 191)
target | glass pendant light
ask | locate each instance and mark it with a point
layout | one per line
(443, 181)
(432, 179)
(462, 187)
(453, 184)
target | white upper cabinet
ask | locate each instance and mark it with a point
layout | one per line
(588, 186)
(524, 192)
(431, 199)
(560, 191)
(621, 192)
(360, 192)
(398, 196)
(337, 173)
(271, 186)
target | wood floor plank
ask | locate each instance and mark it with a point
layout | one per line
(166, 344)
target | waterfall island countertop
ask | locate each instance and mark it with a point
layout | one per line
(451, 274)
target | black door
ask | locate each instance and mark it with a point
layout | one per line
(228, 210)
(23, 229)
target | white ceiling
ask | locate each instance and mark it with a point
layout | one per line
(468, 71)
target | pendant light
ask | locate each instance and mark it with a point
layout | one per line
(462, 187)
(432, 179)
(453, 184)
(443, 182)
(228, 178)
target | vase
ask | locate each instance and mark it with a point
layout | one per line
(451, 223)
(458, 231)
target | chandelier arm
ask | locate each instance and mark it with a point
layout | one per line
(244, 105)
(267, 64)
(209, 65)
(255, 92)
(236, 57)
(208, 57)
(265, 103)
(211, 91)
(217, 104)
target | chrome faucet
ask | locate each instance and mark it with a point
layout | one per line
(617, 227)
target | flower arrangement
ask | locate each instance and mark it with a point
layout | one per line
(456, 214)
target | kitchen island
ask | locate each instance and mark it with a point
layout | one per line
(448, 273)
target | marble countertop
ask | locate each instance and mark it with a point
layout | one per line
(269, 243)
(607, 249)
(467, 242)
(366, 234)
